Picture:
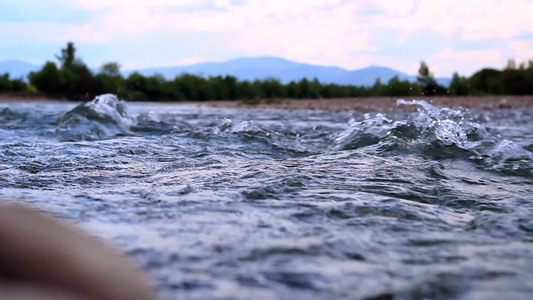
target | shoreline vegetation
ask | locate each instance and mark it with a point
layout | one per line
(73, 80)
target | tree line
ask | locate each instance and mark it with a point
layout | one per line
(72, 79)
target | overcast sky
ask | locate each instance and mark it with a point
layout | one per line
(450, 35)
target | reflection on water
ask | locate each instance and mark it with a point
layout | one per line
(269, 204)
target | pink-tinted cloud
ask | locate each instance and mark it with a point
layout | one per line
(446, 61)
(329, 32)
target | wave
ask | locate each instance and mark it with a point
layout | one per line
(440, 133)
(104, 117)
(436, 132)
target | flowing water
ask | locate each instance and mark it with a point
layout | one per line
(216, 203)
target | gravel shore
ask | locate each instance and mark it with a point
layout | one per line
(343, 104)
(380, 103)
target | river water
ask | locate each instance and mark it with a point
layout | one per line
(216, 203)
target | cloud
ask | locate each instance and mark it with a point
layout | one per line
(475, 20)
(14, 33)
(371, 10)
(32, 11)
(133, 4)
(350, 34)
(190, 60)
(522, 50)
(304, 33)
(448, 60)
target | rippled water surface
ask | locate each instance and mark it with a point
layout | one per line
(269, 204)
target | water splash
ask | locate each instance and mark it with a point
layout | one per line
(370, 131)
(438, 132)
(104, 117)
(429, 125)
(443, 125)
(508, 156)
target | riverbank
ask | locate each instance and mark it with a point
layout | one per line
(378, 103)
(364, 104)
(5, 97)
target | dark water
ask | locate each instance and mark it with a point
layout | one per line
(269, 204)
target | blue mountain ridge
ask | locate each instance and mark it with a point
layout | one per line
(17, 69)
(251, 68)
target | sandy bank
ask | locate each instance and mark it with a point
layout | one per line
(339, 104)
(381, 103)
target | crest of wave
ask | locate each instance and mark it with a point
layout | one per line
(438, 131)
(430, 125)
(104, 117)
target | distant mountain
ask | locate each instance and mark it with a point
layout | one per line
(285, 70)
(444, 81)
(17, 68)
(252, 68)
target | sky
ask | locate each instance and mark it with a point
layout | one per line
(450, 35)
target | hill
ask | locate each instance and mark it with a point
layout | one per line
(17, 68)
(252, 68)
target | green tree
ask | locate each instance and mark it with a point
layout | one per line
(293, 90)
(427, 82)
(12, 85)
(109, 80)
(5, 83)
(73, 80)
(309, 89)
(49, 80)
(67, 56)
(230, 83)
(315, 88)
(397, 87)
(272, 88)
(459, 85)
(81, 81)
(111, 69)
(156, 87)
(305, 90)
(514, 82)
(194, 87)
(137, 86)
(486, 81)
(378, 89)
(333, 91)
(359, 91)
(425, 77)
(18, 85)
(250, 90)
